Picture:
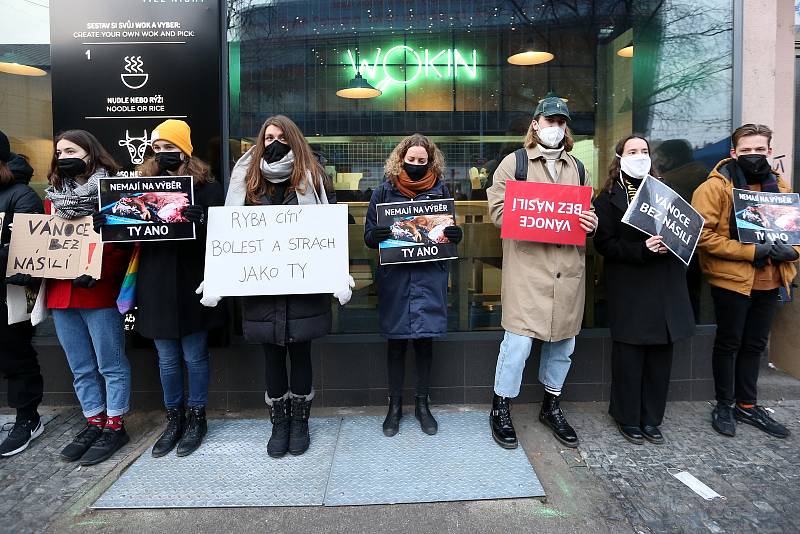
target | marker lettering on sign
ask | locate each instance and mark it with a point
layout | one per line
(288, 216)
(301, 267)
(259, 273)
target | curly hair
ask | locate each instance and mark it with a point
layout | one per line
(614, 167)
(394, 163)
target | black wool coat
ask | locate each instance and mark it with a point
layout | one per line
(648, 299)
(169, 273)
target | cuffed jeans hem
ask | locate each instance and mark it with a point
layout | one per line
(118, 412)
(500, 393)
(94, 411)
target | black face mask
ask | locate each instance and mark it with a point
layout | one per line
(169, 161)
(71, 167)
(415, 172)
(754, 164)
(275, 151)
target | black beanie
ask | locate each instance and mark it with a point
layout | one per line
(5, 148)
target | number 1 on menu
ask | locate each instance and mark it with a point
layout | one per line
(88, 55)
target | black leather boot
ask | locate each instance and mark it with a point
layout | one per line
(391, 425)
(423, 414)
(552, 416)
(279, 415)
(196, 428)
(299, 440)
(169, 438)
(500, 420)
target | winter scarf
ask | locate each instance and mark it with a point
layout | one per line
(275, 173)
(411, 188)
(769, 184)
(76, 200)
(551, 155)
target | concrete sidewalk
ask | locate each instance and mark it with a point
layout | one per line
(607, 485)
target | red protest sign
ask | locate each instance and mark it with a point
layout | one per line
(545, 213)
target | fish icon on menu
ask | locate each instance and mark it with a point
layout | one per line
(134, 77)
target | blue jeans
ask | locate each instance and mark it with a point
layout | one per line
(514, 351)
(192, 349)
(94, 341)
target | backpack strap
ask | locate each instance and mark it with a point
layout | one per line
(521, 170)
(581, 169)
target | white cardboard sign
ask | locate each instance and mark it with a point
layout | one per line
(276, 250)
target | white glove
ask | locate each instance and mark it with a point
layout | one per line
(346, 292)
(206, 300)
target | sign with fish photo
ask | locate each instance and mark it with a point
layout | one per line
(417, 231)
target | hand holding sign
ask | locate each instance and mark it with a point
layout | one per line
(656, 244)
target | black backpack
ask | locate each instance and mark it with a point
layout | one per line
(521, 170)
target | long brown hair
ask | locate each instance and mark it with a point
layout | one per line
(614, 167)
(98, 156)
(532, 137)
(394, 163)
(6, 176)
(192, 166)
(304, 161)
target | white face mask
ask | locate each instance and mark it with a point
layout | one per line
(551, 136)
(635, 166)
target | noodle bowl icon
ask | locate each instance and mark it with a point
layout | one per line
(134, 77)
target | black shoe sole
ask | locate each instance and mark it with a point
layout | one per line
(108, 455)
(162, 454)
(570, 444)
(761, 428)
(635, 441)
(280, 455)
(390, 432)
(655, 441)
(298, 453)
(182, 454)
(504, 444)
(721, 433)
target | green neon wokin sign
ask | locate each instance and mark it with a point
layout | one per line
(423, 63)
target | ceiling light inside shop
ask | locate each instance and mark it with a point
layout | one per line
(626, 52)
(530, 56)
(358, 87)
(21, 70)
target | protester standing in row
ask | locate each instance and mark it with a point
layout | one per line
(647, 295)
(18, 361)
(88, 324)
(744, 280)
(412, 298)
(543, 284)
(280, 169)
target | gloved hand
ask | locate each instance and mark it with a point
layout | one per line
(20, 279)
(206, 300)
(454, 234)
(780, 251)
(762, 250)
(346, 293)
(98, 220)
(195, 213)
(381, 233)
(85, 281)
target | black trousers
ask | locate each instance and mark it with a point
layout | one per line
(396, 364)
(19, 365)
(639, 383)
(275, 369)
(743, 325)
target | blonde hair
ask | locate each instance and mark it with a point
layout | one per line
(532, 137)
(394, 163)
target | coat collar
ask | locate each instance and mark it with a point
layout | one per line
(535, 153)
(619, 197)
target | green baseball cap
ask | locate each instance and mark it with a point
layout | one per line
(552, 105)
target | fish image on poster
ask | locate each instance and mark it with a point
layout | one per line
(767, 217)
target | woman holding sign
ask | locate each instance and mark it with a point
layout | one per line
(648, 299)
(412, 297)
(88, 324)
(18, 362)
(169, 309)
(280, 169)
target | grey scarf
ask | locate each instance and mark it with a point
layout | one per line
(275, 173)
(76, 200)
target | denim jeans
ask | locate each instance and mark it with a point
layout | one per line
(94, 341)
(192, 349)
(514, 351)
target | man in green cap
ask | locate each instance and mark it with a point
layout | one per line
(543, 283)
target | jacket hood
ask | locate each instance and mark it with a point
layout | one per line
(20, 168)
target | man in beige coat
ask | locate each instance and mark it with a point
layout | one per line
(543, 284)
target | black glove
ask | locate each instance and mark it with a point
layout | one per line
(195, 214)
(20, 279)
(454, 234)
(762, 251)
(85, 281)
(782, 252)
(98, 220)
(381, 233)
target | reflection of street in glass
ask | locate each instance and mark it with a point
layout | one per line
(148, 208)
(422, 229)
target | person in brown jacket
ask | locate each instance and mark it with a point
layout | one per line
(744, 280)
(543, 284)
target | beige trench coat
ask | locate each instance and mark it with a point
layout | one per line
(543, 284)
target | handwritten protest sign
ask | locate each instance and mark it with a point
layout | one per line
(48, 246)
(417, 231)
(767, 217)
(276, 250)
(544, 212)
(146, 209)
(658, 210)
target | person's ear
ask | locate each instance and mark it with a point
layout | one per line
(733, 153)
(769, 151)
